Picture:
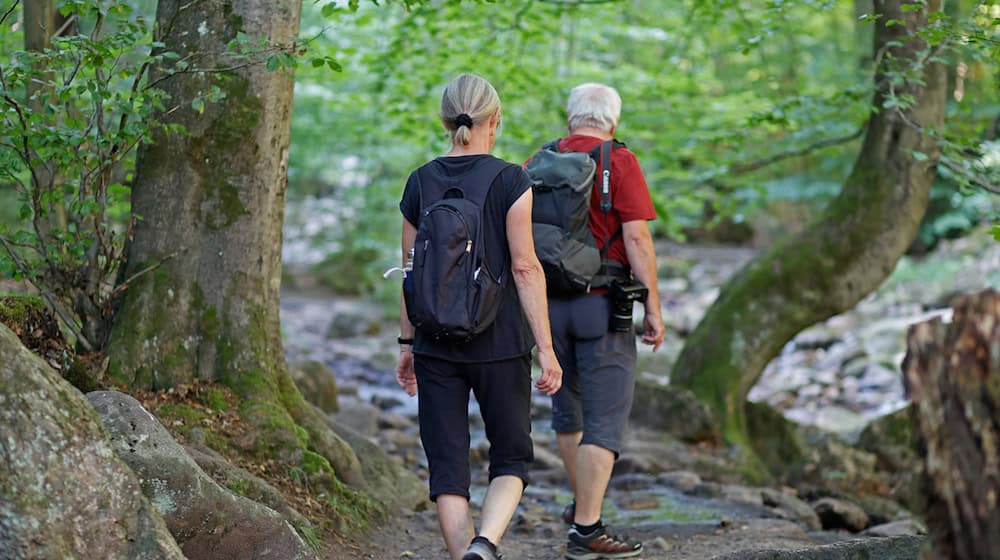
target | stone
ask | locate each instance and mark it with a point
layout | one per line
(207, 520)
(791, 507)
(774, 438)
(889, 548)
(316, 382)
(632, 482)
(832, 464)
(63, 492)
(545, 458)
(349, 323)
(359, 416)
(840, 514)
(674, 411)
(890, 438)
(684, 481)
(896, 528)
(388, 481)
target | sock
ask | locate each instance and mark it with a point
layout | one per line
(587, 529)
(484, 540)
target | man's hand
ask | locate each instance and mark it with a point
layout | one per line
(405, 374)
(551, 379)
(653, 330)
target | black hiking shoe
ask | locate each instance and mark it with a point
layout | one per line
(569, 514)
(599, 545)
(481, 549)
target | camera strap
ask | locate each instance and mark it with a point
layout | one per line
(606, 206)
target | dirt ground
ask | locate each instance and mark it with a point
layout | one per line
(415, 536)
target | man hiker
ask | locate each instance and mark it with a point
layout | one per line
(591, 319)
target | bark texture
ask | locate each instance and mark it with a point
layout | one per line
(840, 258)
(210, 205)
(952, 374)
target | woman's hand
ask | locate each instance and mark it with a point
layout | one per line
(406, 376)
(551, 379)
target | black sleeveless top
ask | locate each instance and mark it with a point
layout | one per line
(509, 336)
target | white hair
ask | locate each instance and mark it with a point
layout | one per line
(594, 105)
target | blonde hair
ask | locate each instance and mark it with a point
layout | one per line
(470, 95)
(594, 105)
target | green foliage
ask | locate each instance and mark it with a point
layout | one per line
(728, 105)
(72, 116)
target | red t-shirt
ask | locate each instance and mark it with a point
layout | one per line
(630, 199)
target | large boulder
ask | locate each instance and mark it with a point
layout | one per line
(673, 410)
(316, 382)
(208, 521)
(63, 493)
(775, 439)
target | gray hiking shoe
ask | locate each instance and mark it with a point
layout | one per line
(481, 549)
(600, 545)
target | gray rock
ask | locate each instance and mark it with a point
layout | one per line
(545, 458)
(890, 438)
(359, 416)
(388, 482)
(674, 411)
(63, 493)
(791, 507)
(887, 548)
(207, 520)
(840, 514)
(316, 382)
(685, 481)
(896, 528)
(633, 482)
(350, 323)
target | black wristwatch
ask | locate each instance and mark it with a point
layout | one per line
(401, 340)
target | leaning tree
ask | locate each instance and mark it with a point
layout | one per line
(850, 249)
(204, 265)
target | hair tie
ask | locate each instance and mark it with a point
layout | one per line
(463, 120)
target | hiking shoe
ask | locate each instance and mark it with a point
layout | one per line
(569, 514)
(599, 545)
(481, 549)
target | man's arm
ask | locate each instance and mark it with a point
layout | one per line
(642, 258)
(530, 281)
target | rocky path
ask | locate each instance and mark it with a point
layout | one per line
(683, 502)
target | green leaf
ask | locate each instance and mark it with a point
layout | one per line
(334, 65)
(995, 231)
(272, 63)
(919, 156)
(329, 9)
(198, 104)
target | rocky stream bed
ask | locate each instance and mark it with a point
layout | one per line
(685, 501)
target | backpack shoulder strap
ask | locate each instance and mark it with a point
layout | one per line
(552, 146)
(490, 169)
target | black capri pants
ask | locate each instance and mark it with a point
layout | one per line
(503, 391)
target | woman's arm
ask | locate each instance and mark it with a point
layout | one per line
(405, 375)
(530, 281)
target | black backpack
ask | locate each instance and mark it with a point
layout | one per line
(451, 294)
(564, 243)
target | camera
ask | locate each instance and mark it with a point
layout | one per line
(623, 295)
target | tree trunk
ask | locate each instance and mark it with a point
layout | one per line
(952, 375)
(835, 262)
(213, 200)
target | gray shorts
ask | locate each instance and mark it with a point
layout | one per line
(598, 371)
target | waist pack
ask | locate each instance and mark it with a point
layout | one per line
(451, 294)
(564, 243)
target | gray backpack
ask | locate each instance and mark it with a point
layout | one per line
(564, 244)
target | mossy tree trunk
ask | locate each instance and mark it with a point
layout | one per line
(841, 257)
(210, 207)
(952, 374)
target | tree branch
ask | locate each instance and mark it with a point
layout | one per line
(973, 178)
(9, 11)
(124, 285)
(749, 166)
